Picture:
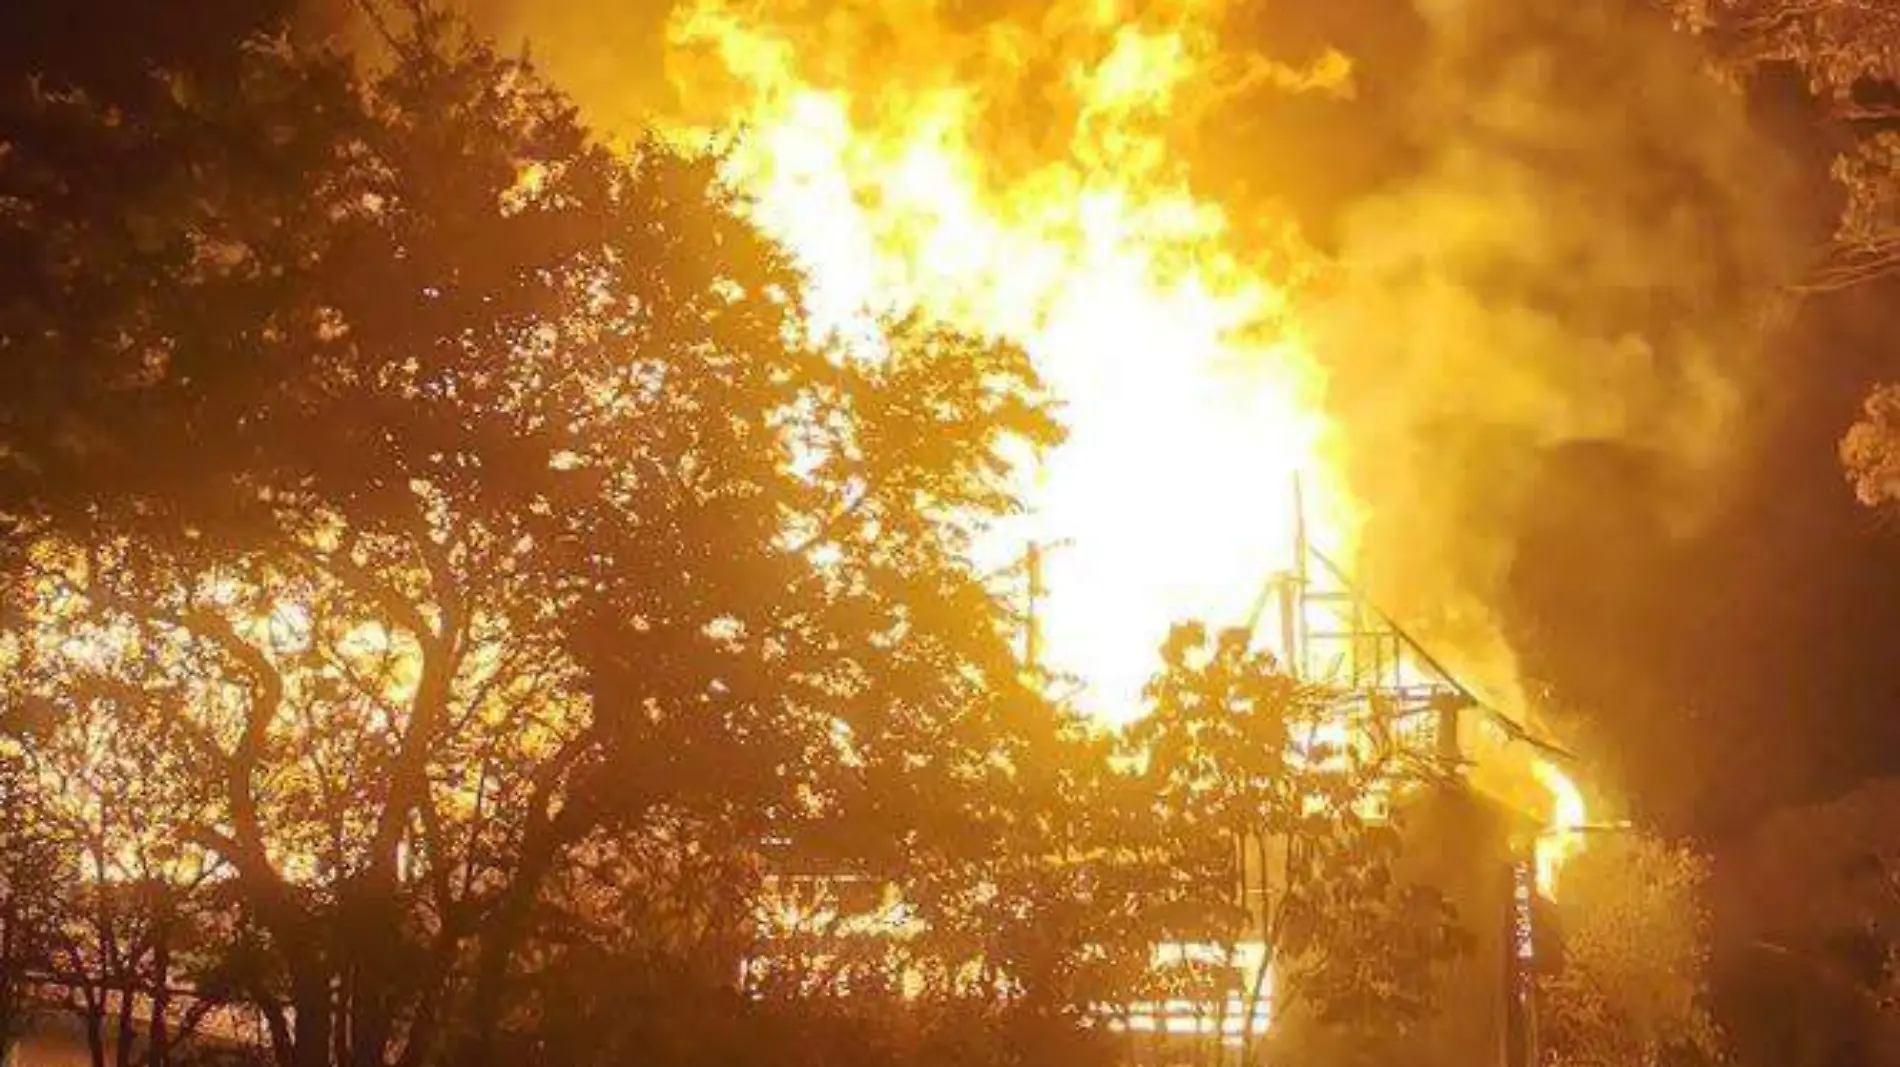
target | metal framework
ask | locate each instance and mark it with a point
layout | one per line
(1328, 630)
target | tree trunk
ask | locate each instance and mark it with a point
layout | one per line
(10, 977)
(95, 1019)
(341, 1009)
(159, 1054)
(502, 937)
(1255, 984)
(126, 1040)
(9, 1016)
(282, 1045)
(426, 1026)
(372, 982)
(1250, 1006)
(310, 993)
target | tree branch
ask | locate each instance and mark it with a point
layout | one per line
(1854, 269)
(397, 608)
(838, 515)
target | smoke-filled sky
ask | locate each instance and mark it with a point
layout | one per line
(1588, 463)
(1578, 256)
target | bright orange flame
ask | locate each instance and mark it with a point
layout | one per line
(1189, 400)
(1563, 835)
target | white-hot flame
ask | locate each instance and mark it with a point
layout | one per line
(1563, 835)
(1188, 399)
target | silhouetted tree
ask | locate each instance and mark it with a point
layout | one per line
(442, 498)
(1805, 967)
(118, 51)
(35, 883)
(1257, 779)
(1847, 50)
(1633, 988)
(125, 939)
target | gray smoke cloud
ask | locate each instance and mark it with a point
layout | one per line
(1582, 256)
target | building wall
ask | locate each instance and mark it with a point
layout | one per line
(1462, 842)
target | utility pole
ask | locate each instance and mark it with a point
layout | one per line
(1032, 638)
(1293, 593)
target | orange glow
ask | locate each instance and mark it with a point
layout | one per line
(1189, 399)
(1240, 1015)
(1562, 837)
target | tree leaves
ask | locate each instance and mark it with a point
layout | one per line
(1847, 50)
(1253, 779)
(436, 532)
(1633, 988)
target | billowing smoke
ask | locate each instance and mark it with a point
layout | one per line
(1579, 258)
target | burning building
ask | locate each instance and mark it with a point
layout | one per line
(1486, 807)
(1024, 177)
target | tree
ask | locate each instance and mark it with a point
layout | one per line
(1807, 904)
(1256, 780)
(440, 498)
(1633, 988)
(60, 43)
(1847, 50)
(1871, 449)
(131, 908)
(35, 877)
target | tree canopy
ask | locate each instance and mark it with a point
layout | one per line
(1846, 49)
(424, 495)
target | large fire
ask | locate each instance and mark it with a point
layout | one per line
(897, 162)
(1188, 398)
(1563, 831)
